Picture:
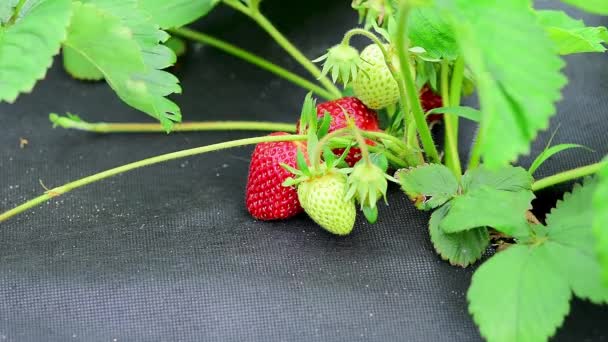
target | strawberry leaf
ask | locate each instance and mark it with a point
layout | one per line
(506, 179)
(572, 241)
(428, 29)
(600, 221)
(535, 280)
(517, 296)
(428, 186)
(131, 66)
(593, 6)
(176, 13)
(495, 198)
(79, 67)
(461, 249)
(517, 70)
(571, 35)
(504, 211)
(28, 44)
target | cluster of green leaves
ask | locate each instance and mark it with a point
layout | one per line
(523, 293)
(513, 54)
(532, 282)
(120, 41)
(463, 210)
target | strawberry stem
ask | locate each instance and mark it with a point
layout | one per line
(452, 158)
(567, 176)
(257, 16)
(58, 191)
(410, 87)
(251, 58)
(16, 13)
(68, 122)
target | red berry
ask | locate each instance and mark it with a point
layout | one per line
(266, 198)
(430, 100)
(365, 118)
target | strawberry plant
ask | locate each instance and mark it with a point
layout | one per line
(367, 122)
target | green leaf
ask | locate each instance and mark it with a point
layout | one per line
(593, 6)
(523, 293)
(370, 213)
(517, 70)
(177, 44)
(508, 178)
(461, 249)
(571, 35)
(176, 13)
(518, 296)
(504, 211)
(550, 152)
(428, 29)
(79, 67)
(600, 221)
(119, 41)
(7, 8)
(428, 186)
(27, 47)
(463, 112)
(571, 238)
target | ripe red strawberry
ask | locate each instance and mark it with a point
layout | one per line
(266, 198)
(365, 118)
(430, 100)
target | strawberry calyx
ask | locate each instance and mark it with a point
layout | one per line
(342, 61)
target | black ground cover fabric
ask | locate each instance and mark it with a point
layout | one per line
(169, 253)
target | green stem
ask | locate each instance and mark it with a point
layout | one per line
(452, 158)
(410, 135)
(259, 18)
(414, 101)
(318, 151)
(251, 58)
(104, 127)
(476, 150)
(567, 176)
(16, 13)
(132, 166)
(254, 13)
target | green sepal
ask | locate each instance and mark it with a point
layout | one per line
(324, 125)
(370, 213)
(301, 162)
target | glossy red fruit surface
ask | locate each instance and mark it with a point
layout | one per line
(430, 100)
(365, 118)
(266, 198)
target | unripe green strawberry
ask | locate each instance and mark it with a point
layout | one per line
(375, 85)
(324, 200)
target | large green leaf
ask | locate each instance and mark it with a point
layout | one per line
(517, 70)
(522, 294)
(600, 221)
(519, 296)
(131, 65)
(28, 45)
(488, 207)
(594, 6)
(176, 13)
(571, 237)
(79, 66)
(428, 186)
(428, 28)
(571, 35)
(460, 249)
(508, 178)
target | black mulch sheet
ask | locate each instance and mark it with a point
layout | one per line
(169, 253)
